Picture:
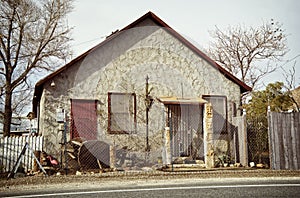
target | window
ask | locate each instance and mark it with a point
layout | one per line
(219, 104)
(121, 113)
(83, 119)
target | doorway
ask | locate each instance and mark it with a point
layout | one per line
(186, 128)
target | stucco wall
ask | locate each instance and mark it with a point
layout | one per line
(122, 65)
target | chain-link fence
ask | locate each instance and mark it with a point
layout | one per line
(258, 144)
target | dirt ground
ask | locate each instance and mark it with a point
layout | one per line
(93, 178)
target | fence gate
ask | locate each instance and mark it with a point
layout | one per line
(257, 137)
(186, 129)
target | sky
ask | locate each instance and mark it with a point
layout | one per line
(93, 20)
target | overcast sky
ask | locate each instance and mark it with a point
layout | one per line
(94, 19)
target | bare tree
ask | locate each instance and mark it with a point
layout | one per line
(34, 37)
(290, 84)
(247, 52)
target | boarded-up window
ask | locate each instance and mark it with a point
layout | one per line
(84, 119)
(121, 113)
(219, 104)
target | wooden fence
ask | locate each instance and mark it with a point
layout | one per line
(284, 140)
(11, 147)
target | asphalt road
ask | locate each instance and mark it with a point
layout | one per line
(216, 187)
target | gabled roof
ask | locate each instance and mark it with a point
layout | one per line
(159, 22)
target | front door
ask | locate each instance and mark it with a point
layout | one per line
(186, 127)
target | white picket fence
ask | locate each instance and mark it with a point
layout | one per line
(11, 147)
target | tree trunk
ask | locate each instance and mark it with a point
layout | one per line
(7, 114)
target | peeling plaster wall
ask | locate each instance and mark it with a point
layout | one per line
(121, 65)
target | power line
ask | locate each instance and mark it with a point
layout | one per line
(84, 42)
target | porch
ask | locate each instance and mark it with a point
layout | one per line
(195, 133)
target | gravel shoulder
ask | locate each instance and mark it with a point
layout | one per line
(129, 178)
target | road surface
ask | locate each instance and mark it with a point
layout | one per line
(213, 187)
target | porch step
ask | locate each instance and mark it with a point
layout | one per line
(184, 167)
(187, 160)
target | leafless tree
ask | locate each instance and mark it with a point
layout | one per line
(247, 52)
(290, 84)
(34, 37)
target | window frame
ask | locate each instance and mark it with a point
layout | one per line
(133, 113)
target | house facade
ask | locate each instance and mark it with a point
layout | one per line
(128, 89)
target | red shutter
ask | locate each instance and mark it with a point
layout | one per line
(84, 119)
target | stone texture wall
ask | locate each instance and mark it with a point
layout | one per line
(121, 65)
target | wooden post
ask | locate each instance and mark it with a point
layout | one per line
(112, 155)
(243, 147)
(167, 146)
(38, 156)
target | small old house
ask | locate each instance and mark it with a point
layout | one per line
(140, 83)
